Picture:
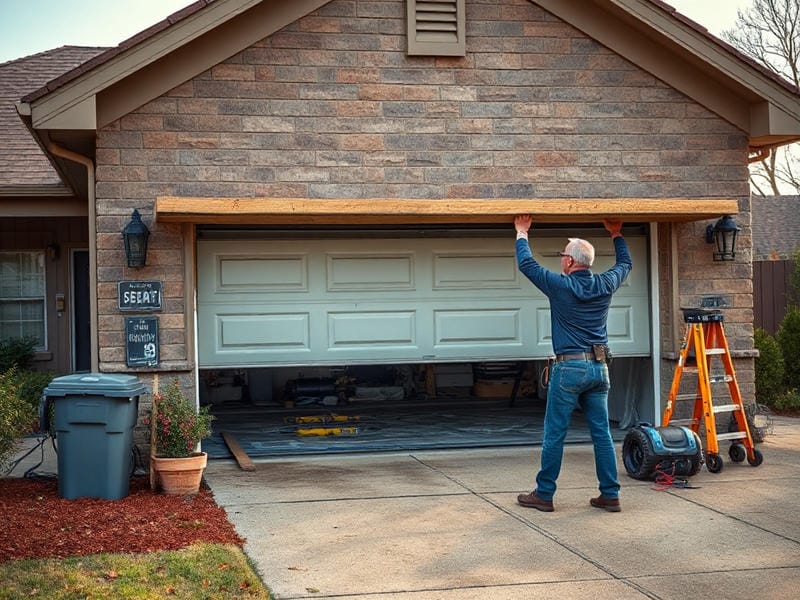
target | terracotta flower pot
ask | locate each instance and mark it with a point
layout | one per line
(180, 475)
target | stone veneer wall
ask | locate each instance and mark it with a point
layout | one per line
(331, 107)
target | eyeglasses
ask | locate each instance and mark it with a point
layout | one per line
(563, 254)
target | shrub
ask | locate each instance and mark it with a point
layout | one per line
(788, 401)
(16, 351)
(794, 280)
(769, 368)
(15, 416)
(789, 339)
(31, 385)
(179, 427)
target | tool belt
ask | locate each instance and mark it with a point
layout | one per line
(600, 353)
(576, 356)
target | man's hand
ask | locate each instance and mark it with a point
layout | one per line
(613, 227)
(522, 223)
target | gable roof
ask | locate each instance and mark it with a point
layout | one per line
(70, 108)
(776, 226)
(23, 164)
(649, 33)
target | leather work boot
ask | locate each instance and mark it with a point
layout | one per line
(609, 504)
(533, 501)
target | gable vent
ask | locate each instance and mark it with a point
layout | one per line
(436, 28)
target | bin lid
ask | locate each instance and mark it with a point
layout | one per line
(96, 384)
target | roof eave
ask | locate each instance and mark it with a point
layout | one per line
(197, 40)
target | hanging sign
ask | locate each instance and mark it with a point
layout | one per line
(141, 341)
(140, 295)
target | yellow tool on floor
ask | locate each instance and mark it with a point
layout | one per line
(322, 431)
(706, 337)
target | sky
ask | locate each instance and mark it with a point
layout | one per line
(32, 26)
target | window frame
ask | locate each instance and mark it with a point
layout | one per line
(41, 257)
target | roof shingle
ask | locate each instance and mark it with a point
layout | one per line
(776, 226)
(22, 162)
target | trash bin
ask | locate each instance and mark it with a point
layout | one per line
(94, 416)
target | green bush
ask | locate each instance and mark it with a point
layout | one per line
(794, 280)
(769, 368)
(15, 416)
(179, 427)
(31, 384)
(16, 351)
(788, 337)
(788, 401)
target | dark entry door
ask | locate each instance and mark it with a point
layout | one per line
(81, 311)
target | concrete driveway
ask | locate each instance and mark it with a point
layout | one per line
(446, 525)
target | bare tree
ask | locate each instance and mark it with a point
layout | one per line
(769, 32)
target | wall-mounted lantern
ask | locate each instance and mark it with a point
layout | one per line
(53, 251)
(723, 235)
(135, 236)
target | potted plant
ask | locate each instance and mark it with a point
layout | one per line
(177, 429)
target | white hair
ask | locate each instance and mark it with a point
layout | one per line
(581, 251)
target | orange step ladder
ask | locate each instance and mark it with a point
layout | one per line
(705, 340)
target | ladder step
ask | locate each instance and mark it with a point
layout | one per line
(720, 379)
(715, 350)
(680, 397)
(683, 422)
(734, 435)
(726, 408)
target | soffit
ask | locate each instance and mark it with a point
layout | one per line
(384, 211)
(26, 204)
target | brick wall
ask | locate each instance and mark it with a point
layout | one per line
(331, 107)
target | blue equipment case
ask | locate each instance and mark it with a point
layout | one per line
(672, 449)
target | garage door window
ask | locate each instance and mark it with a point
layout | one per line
(22, 291)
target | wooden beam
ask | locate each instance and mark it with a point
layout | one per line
(385, 211)
(244, 461)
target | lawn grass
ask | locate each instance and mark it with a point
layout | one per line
(212, 571)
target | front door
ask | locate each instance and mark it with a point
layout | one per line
(81, 345)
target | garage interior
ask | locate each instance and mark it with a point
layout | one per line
(383, 408)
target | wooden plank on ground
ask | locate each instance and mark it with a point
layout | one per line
(245, 463)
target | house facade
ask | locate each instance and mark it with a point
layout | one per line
(334, 183)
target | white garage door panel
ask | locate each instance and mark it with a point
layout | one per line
(253, 332)
(477, 326)
(261, 274)
(364, 273)
(465, 271)
(331, 301)
(371, 329)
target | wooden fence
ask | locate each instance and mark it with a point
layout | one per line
(770, 293)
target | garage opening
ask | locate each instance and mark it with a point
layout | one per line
(351, 339)
(369, 408)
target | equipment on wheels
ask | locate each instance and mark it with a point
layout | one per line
(648, 451)
(705, 339)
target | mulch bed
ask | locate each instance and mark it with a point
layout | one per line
(36, 523)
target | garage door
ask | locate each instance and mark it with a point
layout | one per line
(270, 302)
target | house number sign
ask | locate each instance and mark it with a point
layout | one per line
(140, 295)
(141, 341)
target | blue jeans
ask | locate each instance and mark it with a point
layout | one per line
(584, 383)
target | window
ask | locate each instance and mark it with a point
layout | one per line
(436, 28)
(22, 287)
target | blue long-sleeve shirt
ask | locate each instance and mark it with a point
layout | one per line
(579, 301)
